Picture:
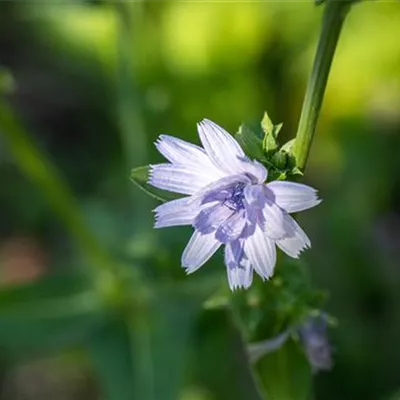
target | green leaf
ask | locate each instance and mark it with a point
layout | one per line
(132, 352)
(59, 311)
(140, 177)
(284, 162)
(250, 142)
(266, 124)
(267, 310)
(280, 160)
(271, 131)
(220, 341)
(173, 320)
(113, 358)
(270, 144)
(286, 373)
(287, 148)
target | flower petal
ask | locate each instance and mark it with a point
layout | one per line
(293, 197)
(221, 147)
(226, 153)
(240, 277)
(258, 170)
(231, 228)
(254, 196)
(212, 192)
(175, 213)
(254, 202)
(233, 254)
(179, 178)
(178, 151)
(296, 243)
(261, 252)
(277, 223)
(198, 251)
(240, 272)
(210, 218)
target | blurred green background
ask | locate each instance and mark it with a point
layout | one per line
(87, 86)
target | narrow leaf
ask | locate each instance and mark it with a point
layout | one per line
(133, 351)
(172, 323)
(271, 131)
(260, 349)
(286, 373)
(112, 356)
(266, 124)
(221, 341)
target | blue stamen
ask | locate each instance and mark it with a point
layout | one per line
(235, 200)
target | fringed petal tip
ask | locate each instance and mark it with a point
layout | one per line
(292, 196)
(150, 177)
(164, 143)
(175, 213)
(188, 270)
(239, 286)
(158, 141)
(157, 224)
(239, 278)
(296, 255)
(295, 244)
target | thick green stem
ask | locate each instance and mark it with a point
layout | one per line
(334, 15)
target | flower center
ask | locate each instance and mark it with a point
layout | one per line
(235, 199)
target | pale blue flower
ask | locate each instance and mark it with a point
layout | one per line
(314, 336)
(229, 203)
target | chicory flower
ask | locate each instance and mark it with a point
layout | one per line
(228, 202)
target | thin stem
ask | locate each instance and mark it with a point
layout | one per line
(334, 15)
(131, 124)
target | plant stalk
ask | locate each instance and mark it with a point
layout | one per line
(334, 16)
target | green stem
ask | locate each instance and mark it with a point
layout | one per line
(131, 124)
(334, 15)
